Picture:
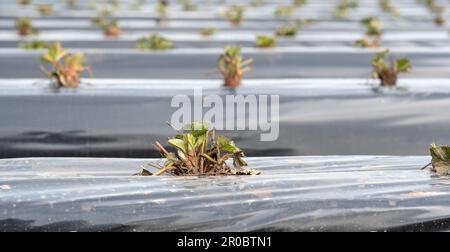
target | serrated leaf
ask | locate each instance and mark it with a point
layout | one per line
(227, 144)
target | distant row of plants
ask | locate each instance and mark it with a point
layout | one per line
(199, 152)
(436, 10)
(343, 6)
(43, 9)
(373, 33)
(235, 13)
(111, 27)
(388, 7)
(66, 68)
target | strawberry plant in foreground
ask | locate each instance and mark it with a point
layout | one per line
(199, 151)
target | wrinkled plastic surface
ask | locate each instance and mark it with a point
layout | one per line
(353, 193)
(200, 65)
(317, 117)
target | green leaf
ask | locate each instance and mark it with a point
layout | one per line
(197, 128)
(179, 144)
(189, 143)
(403, 65)
(199, 140)
(55, 53)
(226, 144)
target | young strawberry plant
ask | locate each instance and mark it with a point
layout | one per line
(440, 159)
(373, 26)
(34, 45)
(373, 33)
(153, 42)
(387, 72)
(65, 68)
(302, 22)
(208, 31)
(438, 16)
(72, 4)
(287, 30)
(387, 7)
(298, 3)
(45, 9)
(101, 19)
(188, 5)
(161, 8)
(368, 43)
(235, 14)
(341, 9)
(439, 20)
(264, 41)
(111, 28)
(137, 4)
(25, 27)
(257, 3)
(200, 152)
(284, 11)
(232, 66)
(23, 2)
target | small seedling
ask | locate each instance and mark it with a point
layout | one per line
(23, 2)
(98, 21)
(24, 27)
(302, 22)
(208, 31)
(438, 16)
(137, 4)
(373, 26)
(298, 3)
(34, 45)
(235, 14)
(285, 11)
(200, 153)
(66, 68)
(45, 9)
(341, 9)
(111, 29)
(161, 7)
(387, 6)
(287, 30)
(434, 7)
(188, 5)
(153, 42)
(72, 4)
(388, 72)
(102, 17)
(264, 41)
(257, 3)
(368, 42)
(114, 4)
(232, 66)
(440, 159)
(439, 20)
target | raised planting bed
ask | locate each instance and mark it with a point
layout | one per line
(316, 9)
(302, 62)
(122, 118)
(127, 40)
(332, 193)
